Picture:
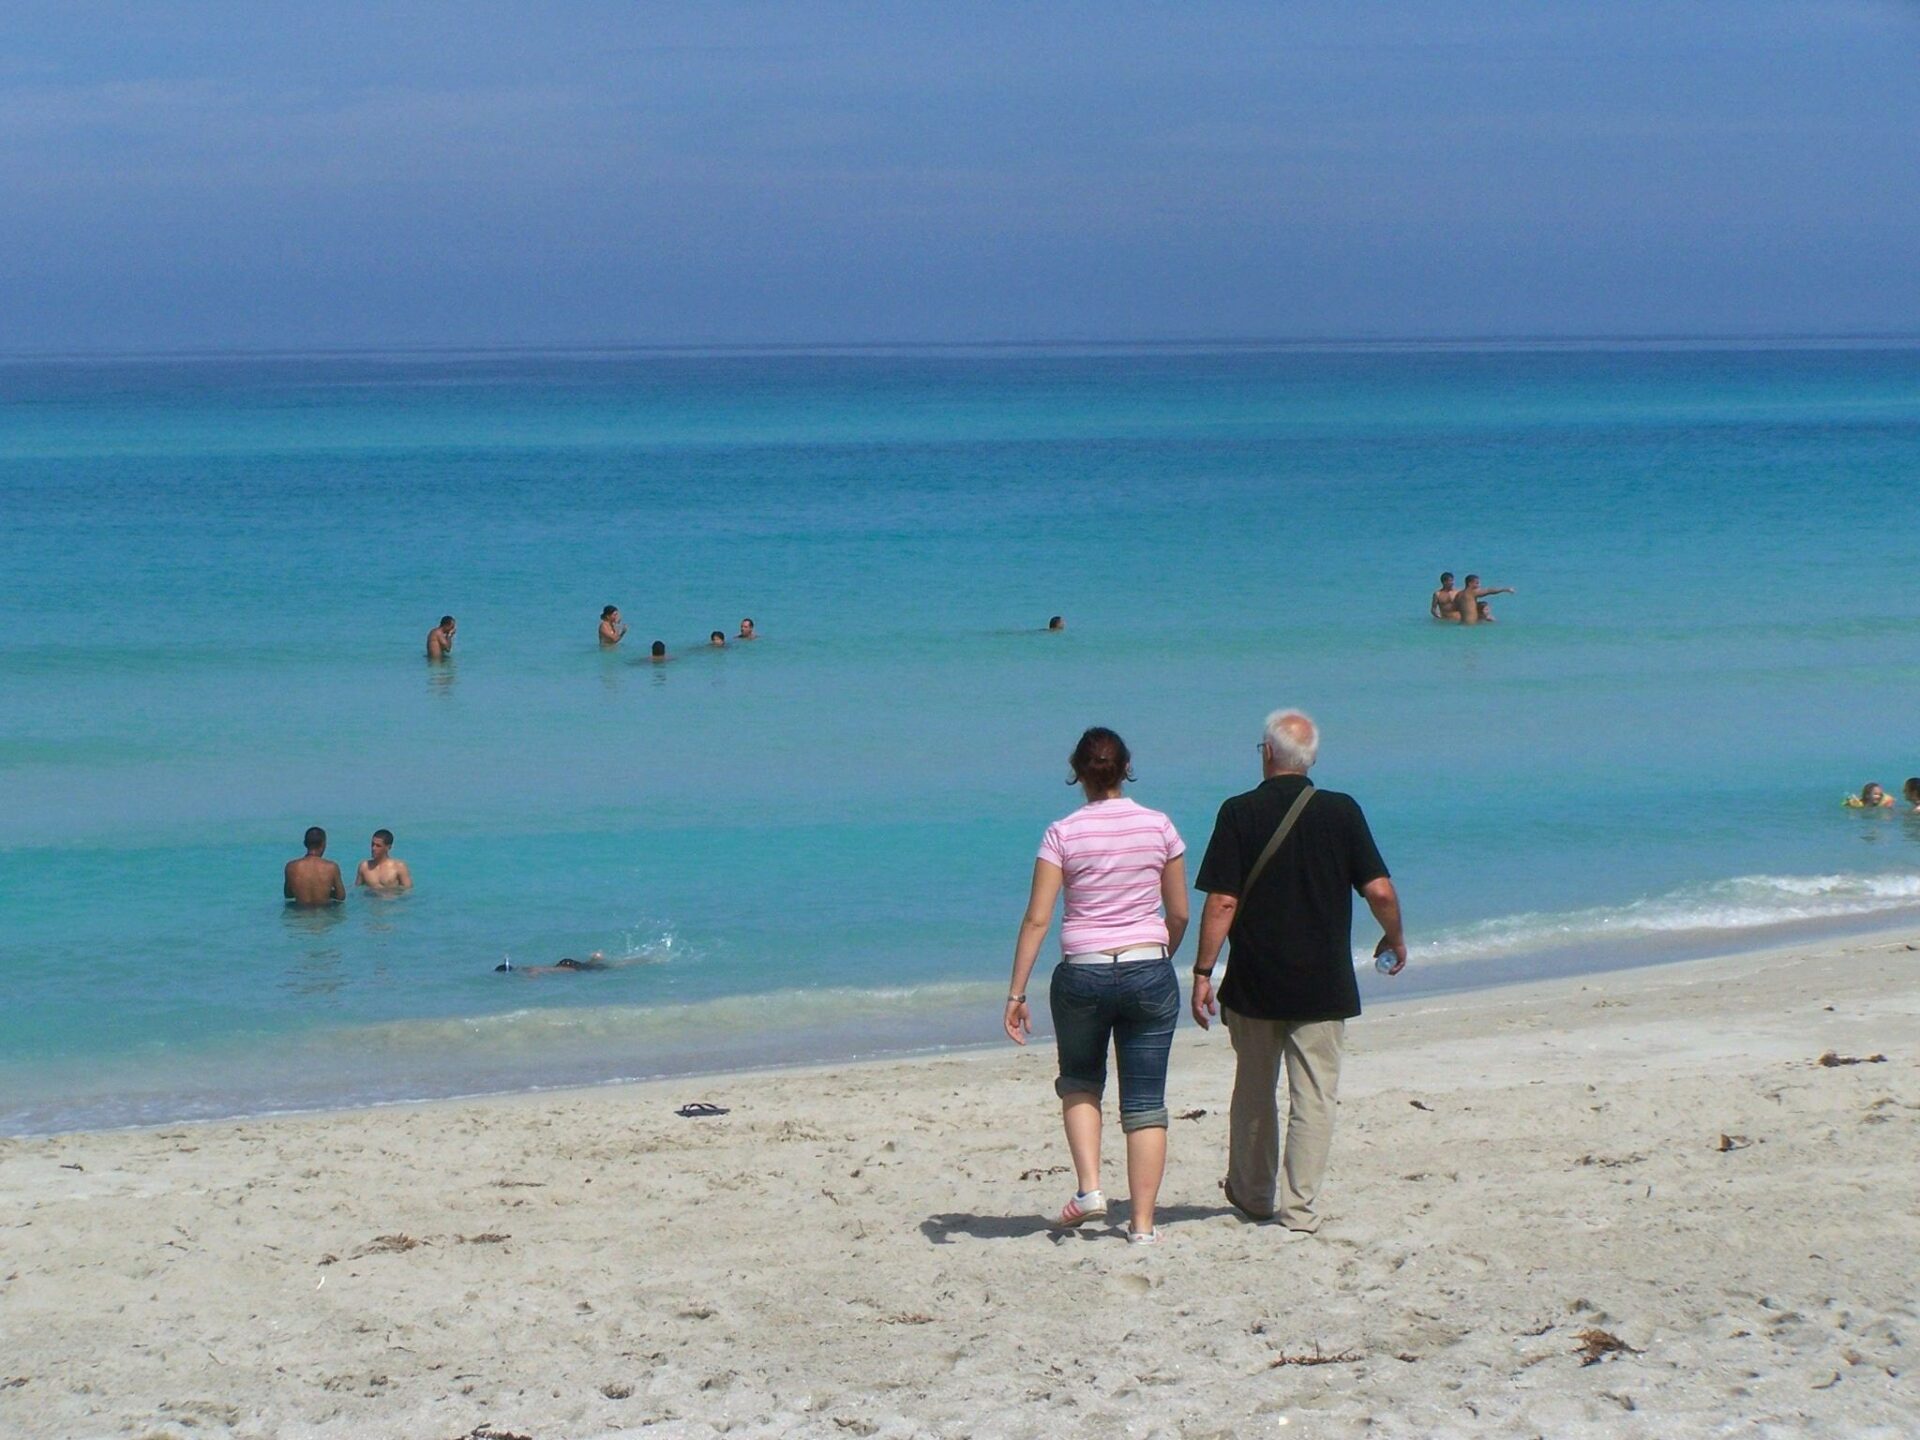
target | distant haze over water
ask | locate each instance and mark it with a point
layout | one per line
(220, 573)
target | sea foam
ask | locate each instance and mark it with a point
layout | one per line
(1723, 909)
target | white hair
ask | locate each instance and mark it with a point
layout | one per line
(1292, 739)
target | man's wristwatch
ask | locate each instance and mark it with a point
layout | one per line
(1016, 999)
(1200, 974)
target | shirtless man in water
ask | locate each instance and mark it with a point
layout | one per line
(383, 870)
(1469, 602)
(313, 880)
(1440, 607)
(440, 639)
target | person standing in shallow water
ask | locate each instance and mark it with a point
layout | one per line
(382, 869)
(1470, 601)
(314, 880)
(440, 639)
(612, 629)
(1118, 864)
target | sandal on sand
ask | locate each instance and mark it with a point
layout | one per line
(1142, 1237)
(1081, 1208)
(700, 1110)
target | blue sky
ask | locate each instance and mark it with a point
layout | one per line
(265, 175)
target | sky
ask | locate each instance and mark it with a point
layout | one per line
(265, 176)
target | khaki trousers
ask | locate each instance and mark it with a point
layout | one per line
(1311, 1050)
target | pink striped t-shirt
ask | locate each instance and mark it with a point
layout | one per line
(1111, 853)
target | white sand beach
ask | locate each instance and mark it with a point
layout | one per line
(1630, 1205)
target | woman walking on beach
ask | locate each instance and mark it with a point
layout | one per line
(1119, 863)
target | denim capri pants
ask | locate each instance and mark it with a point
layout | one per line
(1133, 1004)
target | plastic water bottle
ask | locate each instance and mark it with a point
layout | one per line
(1383, 962)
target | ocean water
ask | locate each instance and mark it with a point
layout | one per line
(218, 574)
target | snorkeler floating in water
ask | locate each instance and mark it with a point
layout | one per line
(568, 966)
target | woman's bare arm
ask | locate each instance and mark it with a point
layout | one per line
(1026, 947)
(1173, 895)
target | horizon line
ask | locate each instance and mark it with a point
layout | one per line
(1720, 339)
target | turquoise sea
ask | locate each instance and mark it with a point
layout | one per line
(218, 573)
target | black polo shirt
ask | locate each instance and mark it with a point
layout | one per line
(1290, 955)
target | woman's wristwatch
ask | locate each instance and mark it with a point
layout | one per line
(1202, 974)
(1016, 999)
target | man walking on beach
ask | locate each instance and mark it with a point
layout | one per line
(1280, 873)
(312, 879)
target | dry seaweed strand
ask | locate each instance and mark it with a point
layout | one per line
(1596, 1345)
(1342, 1357)
(1834, 1058)
(387, 1245)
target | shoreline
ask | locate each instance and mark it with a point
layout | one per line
(858, 1247)
(946, 1018)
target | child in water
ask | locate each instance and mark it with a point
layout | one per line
(1871, 797)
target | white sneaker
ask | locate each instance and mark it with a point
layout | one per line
(1080, 1209)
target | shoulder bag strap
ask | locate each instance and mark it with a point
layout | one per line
(1273, 845)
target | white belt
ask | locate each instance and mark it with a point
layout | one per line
(1117, 957)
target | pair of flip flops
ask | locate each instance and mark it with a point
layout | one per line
(700, 1110)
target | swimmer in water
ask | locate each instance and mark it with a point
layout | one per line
(312, 880)
(1912, 791)
(1057, 623)
(746, 631)
(383, 870)
(1469, 602)
(1440, 607)
(440, 639)
(612, 629)
(1871, 797)
(717, 640)
(568, 966)
(658, 654)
